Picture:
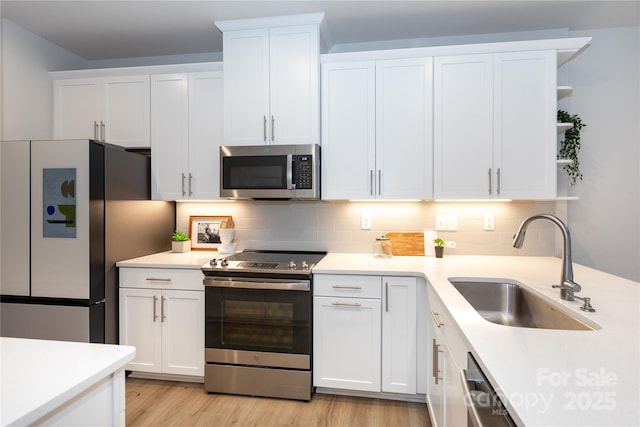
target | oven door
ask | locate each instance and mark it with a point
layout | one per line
(258, 316)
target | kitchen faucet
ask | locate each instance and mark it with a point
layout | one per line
(567, 286)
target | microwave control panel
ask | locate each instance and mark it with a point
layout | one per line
(303, 172)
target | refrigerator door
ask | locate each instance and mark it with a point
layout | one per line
(14, 218)
(60, 256)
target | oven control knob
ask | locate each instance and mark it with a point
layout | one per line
(224, 262)
(304, 265)
(292, 264)
(213, 262)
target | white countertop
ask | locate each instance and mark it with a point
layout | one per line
(37, 376)
(549, 377)
(188, 260)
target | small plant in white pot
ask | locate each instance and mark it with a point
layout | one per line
(439, 247)
(180, 242)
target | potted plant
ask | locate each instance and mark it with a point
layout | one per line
(180, 242)
(439, 248)
(570, 146)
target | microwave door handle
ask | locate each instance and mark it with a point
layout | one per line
(290, 170)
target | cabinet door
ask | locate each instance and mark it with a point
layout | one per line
(77, 108)
(348, 130)
(126, 111)
(346, 343)
(141, 327)
(169, 136)
(182, 318)
(463, 127)
(525, 116)
(205, 134)
(294, 85)
(404, 142)
(246, 87)
(399, 336)
(455, 406)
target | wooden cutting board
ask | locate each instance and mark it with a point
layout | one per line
(407, 243)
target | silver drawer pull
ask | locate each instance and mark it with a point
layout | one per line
(346, 287)
(435, 319)
(155, 279)
(344, 304)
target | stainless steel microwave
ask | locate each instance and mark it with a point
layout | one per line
(270, 172)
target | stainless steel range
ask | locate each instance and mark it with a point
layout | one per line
(258, 324)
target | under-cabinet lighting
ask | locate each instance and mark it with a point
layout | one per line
(473, 200)
(384, 201)
(205, 201)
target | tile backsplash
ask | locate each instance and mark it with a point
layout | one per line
(335, 226)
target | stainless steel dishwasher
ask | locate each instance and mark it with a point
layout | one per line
(483, 404)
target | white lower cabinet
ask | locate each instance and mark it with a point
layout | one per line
(364, 333)
(445, 397)
(165, 325)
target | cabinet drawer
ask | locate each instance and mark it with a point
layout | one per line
(345, 285)
(161, 278)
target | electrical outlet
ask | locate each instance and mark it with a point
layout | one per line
(365, 221)
(489, 222)
(446, 222)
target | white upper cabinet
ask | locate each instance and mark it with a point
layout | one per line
(186, 134)
(112, 109)
(272, 82)
(494, 126)
(377, 129)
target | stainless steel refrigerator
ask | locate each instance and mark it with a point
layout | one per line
(88, 206)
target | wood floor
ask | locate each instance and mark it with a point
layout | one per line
(168, 403)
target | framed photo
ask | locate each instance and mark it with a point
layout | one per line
(204, 232)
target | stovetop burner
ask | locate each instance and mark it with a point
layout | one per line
(262, 262)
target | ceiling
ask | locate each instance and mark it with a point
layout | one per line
(95, 29)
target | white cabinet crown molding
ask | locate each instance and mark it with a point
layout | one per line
(565, 50)
(127, 71)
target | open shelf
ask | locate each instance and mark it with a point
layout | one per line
(564, 91)
(563, 127)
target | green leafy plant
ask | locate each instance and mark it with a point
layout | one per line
(570, 146)
(179, 237)
(439, 242)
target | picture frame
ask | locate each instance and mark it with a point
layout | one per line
(204, 232)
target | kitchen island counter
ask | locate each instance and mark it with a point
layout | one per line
(62, 382)
(546, 377)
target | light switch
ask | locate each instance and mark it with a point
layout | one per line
(446, 222)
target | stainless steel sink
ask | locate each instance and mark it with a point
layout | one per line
(512, 304)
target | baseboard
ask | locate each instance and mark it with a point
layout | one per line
(417, 398)
(165, 377)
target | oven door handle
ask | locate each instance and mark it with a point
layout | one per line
(239, 284)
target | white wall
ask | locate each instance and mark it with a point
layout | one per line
(27, 95)
(605, 221)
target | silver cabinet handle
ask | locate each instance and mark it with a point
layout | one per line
(435, 319)
(273, 129)
(490, 181)
(264, 128)
(155, 314)
(435, 354)
(162, 316)
(190, 178)
(95, 130)
(379, 182)
(102, 131)
(371, 179)
(156, 279)
(183, 178)
(344, 304)
(346, 287)
(498, 183)
(386, 296)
